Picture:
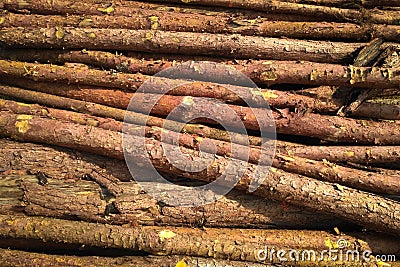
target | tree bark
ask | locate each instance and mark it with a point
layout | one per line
(261, 72)
(331, 13)
(356, 154)
(236, 46)
(83, 200)
(373, 182)
(19, 258)
(219, 24)
(235, 244)
(335, 129)
(367, 209)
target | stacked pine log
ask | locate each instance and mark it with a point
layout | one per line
(329, 70)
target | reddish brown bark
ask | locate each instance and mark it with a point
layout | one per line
(370, 210)
(223, 23)
(373, 182)
(332, 128)
(236, 46)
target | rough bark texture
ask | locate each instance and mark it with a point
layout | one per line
(235, 244)
(261, 72)
(335, 129)
(171, 21)
(121, 115)
(234, 45)
(19, 258)
(356, 154)
(83, 200)
(367, 209)
(332, 13)
(326, 171)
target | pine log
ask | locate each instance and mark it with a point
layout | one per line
(349, 3)
(367, 209)
(326, 171)
(233, 45)
(261, 72)
(233, 244)
(128, 8)
(329, 13)
(122, 115)
(128, 204)
(224, 24)
(19, 258)
(334, 129)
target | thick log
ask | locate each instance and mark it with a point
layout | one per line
(326, 171)
(128, 204)
(349, 3)
(367, 209)
(235, 244)
(170, 21)
(329, 13)
(19, 258)
(232, 45)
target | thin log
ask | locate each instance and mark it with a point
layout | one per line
(122, 115)
(19, 258)
(367, 209)
(356, 154)
(235, 244)
(330, 13)
(349, 3)
(236, 46)
(170, 21)
(335, 129)
(372, 182)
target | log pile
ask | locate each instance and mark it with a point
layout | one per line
(74, 86)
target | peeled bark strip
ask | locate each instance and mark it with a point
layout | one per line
(363, 208)
(235, 244)
(19, 258)
(64, 199)
(234, 45)
(373, 182)
(170, 21)
(332, 13)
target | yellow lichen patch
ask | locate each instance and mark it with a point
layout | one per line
(285, 158)
(188, 101)
(149, 35)
(337, 231)
(23, 104)
(166, 234)
(330, 244)
(350, 153)
(59, 33)
(107, 10)
(22, 123)
(86, 23)
(269, 95)
(181, 263)
(186, 1)
(92, 35)
(269, 75)
(154, 22)
(313, 75)
(176, 40)
(2, 19)
(327, 163)
(368, 152)
(382, 264)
